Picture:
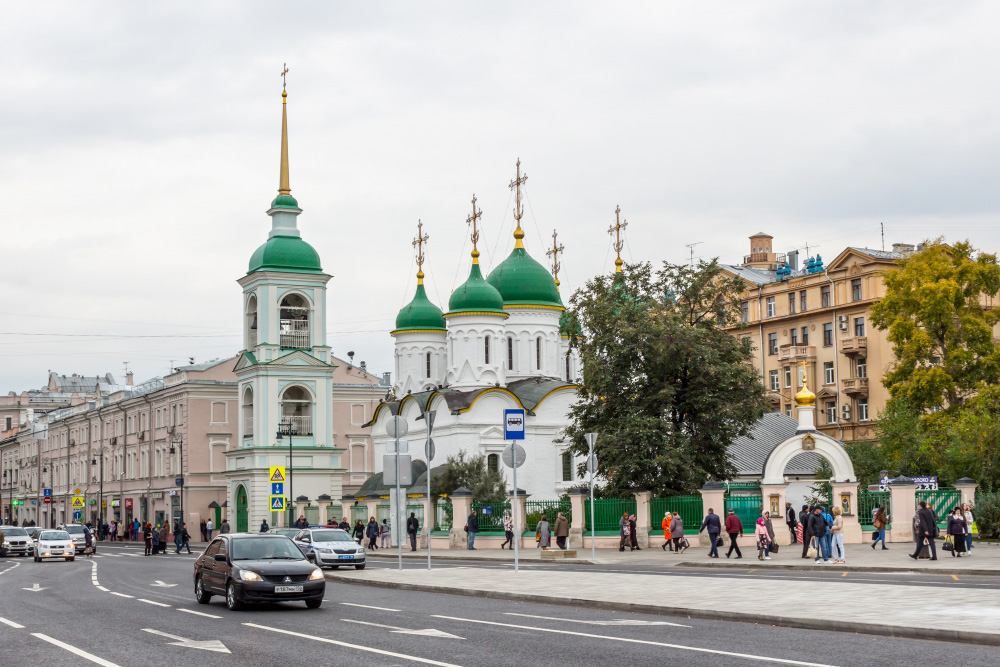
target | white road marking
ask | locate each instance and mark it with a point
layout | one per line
(74, 650)
(102, 588)
(121, 595)
(396, 630)
(640, 641)
(206, 645)
(366, 606)
(16, 626)
(158, 604)
(198, 613)
(34, 589)
(160, 584)
(356, 647)
(616, 621)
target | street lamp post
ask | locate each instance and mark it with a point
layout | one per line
(180, 445)
(287, 428)
(100, 509)
(1, 493)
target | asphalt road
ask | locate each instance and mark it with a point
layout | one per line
(121, 608)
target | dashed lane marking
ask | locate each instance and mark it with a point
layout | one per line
(367, 606)
(198, 613)
(614, 621)
(102, 588)
(122, 595)
(74, 650)
(158, 604)
(16, 626)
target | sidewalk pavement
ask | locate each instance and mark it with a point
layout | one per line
(920, 612)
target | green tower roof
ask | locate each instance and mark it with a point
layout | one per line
(285, 253)
(475, 295)
(523, 281)
(420, 314)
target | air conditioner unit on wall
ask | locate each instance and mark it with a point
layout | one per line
(845, 413)
(843, 322)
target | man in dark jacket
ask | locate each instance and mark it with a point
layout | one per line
(815, 530)
(714, 527)
(790, 521)
(344, 525)
(412, 528)
(734, 528)
(928, 528)
(473, 527)
(372, 532)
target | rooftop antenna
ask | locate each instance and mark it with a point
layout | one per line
(882, 226)
(690, 247)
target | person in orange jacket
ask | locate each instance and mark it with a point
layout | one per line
(667, 518)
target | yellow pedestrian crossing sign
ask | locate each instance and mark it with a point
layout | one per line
(77, 502)
(277, 473)
(277, 503)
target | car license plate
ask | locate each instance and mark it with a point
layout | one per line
(345, 557)
(287, 589)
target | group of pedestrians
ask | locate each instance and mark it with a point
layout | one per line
(673, 533)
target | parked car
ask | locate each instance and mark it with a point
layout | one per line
(17, 542)
(257, 568)
(79, 534)
(330, 547)
(55, 544)
(290, 533)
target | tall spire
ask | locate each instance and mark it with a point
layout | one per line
(284, 189)
(616, 231)
(518, 210)
(473, 221)
(418, 243)
(554, 252)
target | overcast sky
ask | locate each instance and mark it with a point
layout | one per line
(139, 150)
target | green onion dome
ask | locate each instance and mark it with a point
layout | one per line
(523, 281)
(475, 295)
(420, 314)
(285, 253)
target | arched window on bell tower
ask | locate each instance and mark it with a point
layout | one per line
(251, 320)
(246, 410)
(297, 409)
(294, 318)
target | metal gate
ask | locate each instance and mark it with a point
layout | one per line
(748, 507)
(942, 501)
(868, 501)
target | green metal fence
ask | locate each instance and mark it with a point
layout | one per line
(689, 507)
(359, 511)
(942, 502)
(312, 514)
(442, 515)
(748, 507)
(867, 502)
(491, 516)
(550, 508)
(608, 512)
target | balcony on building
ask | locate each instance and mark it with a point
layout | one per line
(855, 386)
(765, 258)
(796, 352)
(294, 323)
(854, 345)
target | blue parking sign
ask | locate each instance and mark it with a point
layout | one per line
(277, 488)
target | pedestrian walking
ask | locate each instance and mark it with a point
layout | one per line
(472, 527)
(183, 539)
(926, 525)
(879, 523)
(623, 531)
(224, 528)
(204, 531)
(359, 532)
(760, 532)
(791, 521)
(372, 532)
(734, 528)
(412, 528)
(970, 518)
(155, 539)
(561, 530)
(633, 538)
(713, 526)
(543, 533)
(113, 528)
(957, 529)
(677, 533)
(804, 527)
(665, 524)
(770, 535)
(508, 532)
(837, 532)
(383, 532)
(163, 537)
(209, 527)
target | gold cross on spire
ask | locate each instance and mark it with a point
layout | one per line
(616, 231)
(804, 381)
(518, 210)
(284, 71)
(418, 243)
(553, 252)
(473, 220)
(284, 186)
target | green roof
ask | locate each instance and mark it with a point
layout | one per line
(475, 295)
(285, 253)
(523, 281)
(284, 201)
(420, 314)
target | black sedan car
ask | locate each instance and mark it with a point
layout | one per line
(257, 568)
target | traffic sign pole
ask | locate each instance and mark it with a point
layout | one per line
(429, 454)
(514, 428)
(517, 535)
(592, 464)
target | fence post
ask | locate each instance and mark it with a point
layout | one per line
(904, 506)
(577, 515)
(713, 496)
(773, 498)
(968, 489)
(345, 506)
(846, 496)
(642, 501)
(461, 507)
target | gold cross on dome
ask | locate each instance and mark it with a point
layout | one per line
(473, 221)
(616, 231)
(803, 366)
(553, 252)
(418, 243)
(515, 185)
(284, 71)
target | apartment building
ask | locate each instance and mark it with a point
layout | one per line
(817, 316)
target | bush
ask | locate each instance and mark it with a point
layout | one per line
(988, 516)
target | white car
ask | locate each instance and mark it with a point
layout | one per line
(54, 544)
(16, 541)
(78, 533)
(331, 547)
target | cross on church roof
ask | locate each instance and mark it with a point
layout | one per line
(418, 243)
(518, 209)
(473, 221)
(616, 231)
(553, 252)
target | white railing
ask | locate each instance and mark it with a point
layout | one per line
(294, 334)
(301, 424)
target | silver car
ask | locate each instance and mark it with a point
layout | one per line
(330, 547)
(17, 542)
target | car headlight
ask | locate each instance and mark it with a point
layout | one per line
(6, 544)
(326, 551)
(316, 575)
(248, 575)
(360, 550)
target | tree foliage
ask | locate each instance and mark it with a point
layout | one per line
(665, 386)
(472, 473)
(940, 329)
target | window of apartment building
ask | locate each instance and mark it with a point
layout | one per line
(831, 412)
(856, 289)
(788, 409)
(828, 334)
(791, 303)
(828, 377)
(861, 367)
(772, 343)
(775, 383)
(862, 409)
(795, 336)
(770, 306)
(745, 312)
(9, 424)
(803, 303)
(788, 376)
(824, 296)
(493, 462)
(859, 326)
(567, 467)
(805, 335)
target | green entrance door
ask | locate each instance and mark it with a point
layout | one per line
(242, 525)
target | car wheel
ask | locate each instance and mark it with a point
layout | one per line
(359, 567)
(72, 558)
(232, 601)
(313, 604)
(199, 592)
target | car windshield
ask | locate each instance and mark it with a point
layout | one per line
(20, 532)
(331, 536)
(54, 535)
(265, 548)
(74, 529)
(287, 532)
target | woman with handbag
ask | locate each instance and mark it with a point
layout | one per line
(879, 523)
(543, 533)
(763, 541)
(665, 524)
(956, 532)
(677, 532)
(970, 518)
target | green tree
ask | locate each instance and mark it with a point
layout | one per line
(934, 310)
(820, 491)
(472, 473)
(970, 438)
(665, 386)
(906, 444)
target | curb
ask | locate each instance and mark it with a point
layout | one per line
(900, 631)
(849, 568)
(481, 559)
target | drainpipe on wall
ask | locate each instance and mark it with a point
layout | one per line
(149, 437)
(760, 334)
(121, 485)
(836, 354)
